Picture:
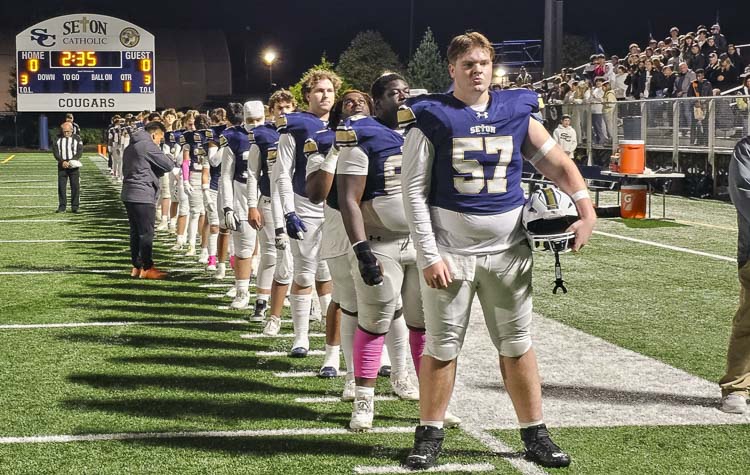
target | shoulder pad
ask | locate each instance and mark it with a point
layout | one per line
(208, 135)
(310, 147)
(182, 139)
(346, 136)
(298, 121)
(251, 136)
(281, 123)
(519, 100)
(223, 142)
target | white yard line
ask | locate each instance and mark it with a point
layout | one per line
(252, 336)
(77, 271)
(46, 241)
(445, 468)
(42, 439)
(32, 326)
(706, 225)
(26, 181)
(218, 286)
(286, 353)
(334, 400)
(26, 196)
(7, 221)
(296, 374)
(519, 463)
(35, 187)
(667, 246)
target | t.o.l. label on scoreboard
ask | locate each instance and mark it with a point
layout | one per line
(85, 62)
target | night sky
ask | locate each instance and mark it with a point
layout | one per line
(301, 31)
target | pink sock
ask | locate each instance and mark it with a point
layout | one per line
(367, 350)
(212, 260)
(231, 262)
(416, 343)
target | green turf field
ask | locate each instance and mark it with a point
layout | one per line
(180, 364)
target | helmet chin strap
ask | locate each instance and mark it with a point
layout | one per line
(559, 282)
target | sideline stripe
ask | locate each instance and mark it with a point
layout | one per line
(26, 187)
(81, 271)
(34, 220)
(212, 286)
(667, 246)
(115, 324)
(706, 225)
(45, 241)
(299, 374)
(45, 439)
(446, 468)
(333, 400)
(24, 196)
(253, 336)
(286, 353)
(8, 159)
(24, 181)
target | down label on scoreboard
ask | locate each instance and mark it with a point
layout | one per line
(85, 62)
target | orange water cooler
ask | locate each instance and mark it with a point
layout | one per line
(633, 201)
(632, 156)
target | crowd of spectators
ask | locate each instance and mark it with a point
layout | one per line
(694, 64)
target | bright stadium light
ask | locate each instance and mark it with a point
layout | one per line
(269, 57)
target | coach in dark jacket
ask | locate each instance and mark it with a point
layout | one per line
(67, 150)
(143, 164)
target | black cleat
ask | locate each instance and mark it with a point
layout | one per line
(541, 450)
(427, 443)
(384, 371)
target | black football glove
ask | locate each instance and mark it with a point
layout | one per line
(369, 267)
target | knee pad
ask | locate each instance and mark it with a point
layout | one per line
(377, 325)
(514, 345)
(304, 279)
(183, 209)
(323, 274)
(442, 349)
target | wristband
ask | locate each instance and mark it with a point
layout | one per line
(543, 151)
(580, 195)
(329, 163)
(205, 186)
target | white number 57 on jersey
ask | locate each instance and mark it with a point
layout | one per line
(475, 182)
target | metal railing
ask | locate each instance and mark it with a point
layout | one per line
(707, 126)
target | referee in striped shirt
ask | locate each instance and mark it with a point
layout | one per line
(67, 150)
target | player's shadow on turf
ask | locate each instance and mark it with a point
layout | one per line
(618, 396)
(211, 362)
(247, 409)
(148, 341)
(206, 384)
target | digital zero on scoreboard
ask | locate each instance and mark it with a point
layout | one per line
(85, 62)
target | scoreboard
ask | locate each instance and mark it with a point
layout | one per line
(87, 63)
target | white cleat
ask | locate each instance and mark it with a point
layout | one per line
(403, 387)
(221, 272)
(362, 414)
(204, 256)
(273, 326)
(177, 247)
(734, 403)
(211, 268)
(231, 293)
(163, 226)
(173, 229)
(451, 420)
(191, 251)
(350, 386)
(241, 300)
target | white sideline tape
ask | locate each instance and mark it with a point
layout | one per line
(212, 286)
(45, 241)
(446, 468)
(26, 187)
(114, 324)
(333, 400)
(297, 374)
(286, 353)
(24, 181)
(45, 439)
(50, 206)
(667, 246)
(24, 196)
(34, 220)
(252, 336)
(82, 271)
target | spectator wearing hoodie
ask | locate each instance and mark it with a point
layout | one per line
(734, 55)
(720, 40)
(144, 164)
(565, 136)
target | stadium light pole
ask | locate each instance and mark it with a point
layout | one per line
(269, 57)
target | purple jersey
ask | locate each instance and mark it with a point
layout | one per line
(266, 139)
(310, 135)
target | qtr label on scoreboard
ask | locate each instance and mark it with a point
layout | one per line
(87, 63)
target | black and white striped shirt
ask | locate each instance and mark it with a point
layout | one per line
(68, 147)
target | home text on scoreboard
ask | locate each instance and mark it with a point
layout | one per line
(85, 62)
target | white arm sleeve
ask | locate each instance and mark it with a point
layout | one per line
(276, 212)
(253, 175)
(416, 173)
(352, 161)
(314, 162)
(214, 159)
(227, 177)
(282, 172)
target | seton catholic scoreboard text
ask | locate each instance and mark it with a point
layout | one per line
(87, 63)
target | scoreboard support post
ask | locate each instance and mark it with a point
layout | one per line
(43, 132)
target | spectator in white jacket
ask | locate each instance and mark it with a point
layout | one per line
(597, 112)
(566, 137)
